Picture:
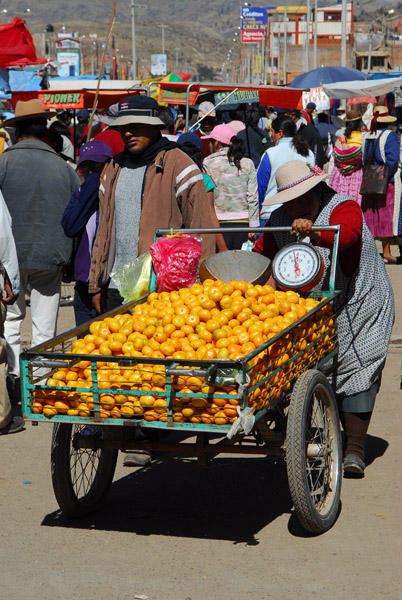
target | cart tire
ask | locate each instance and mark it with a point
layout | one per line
(81, 478)
(314, 452)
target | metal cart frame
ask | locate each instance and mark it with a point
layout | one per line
(294, 410)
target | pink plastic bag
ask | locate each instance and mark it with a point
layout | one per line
(175, 261)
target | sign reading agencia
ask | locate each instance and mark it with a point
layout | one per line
(253, 24)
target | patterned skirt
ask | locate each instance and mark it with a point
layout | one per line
(378, 214)
(347, 184)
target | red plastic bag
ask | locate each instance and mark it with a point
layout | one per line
(175, 262)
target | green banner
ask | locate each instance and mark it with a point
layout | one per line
(239, 97)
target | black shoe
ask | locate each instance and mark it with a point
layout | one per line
(353, 464)
(15, 425)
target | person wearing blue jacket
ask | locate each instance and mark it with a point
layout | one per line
(80, 221)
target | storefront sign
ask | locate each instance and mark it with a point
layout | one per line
(61, 100)
(319, 97)
(177, 95)
(239, 97)
(253, 24)
(158, 64)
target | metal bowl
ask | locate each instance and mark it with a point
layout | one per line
(237, 265)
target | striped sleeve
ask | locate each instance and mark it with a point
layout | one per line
(187, 178)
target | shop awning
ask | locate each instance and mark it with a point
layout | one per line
(67, 99)
(269, 95)
(354, 89)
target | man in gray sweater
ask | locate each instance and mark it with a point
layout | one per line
(37, 186)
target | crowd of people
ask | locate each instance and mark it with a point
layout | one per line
(84, 208)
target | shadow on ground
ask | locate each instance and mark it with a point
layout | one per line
(233, 501)
(375, 447)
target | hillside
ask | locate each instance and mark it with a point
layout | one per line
(201, 30)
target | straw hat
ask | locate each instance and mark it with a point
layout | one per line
(352, 115)
(381, 115)
(293, 179)
(31, 109)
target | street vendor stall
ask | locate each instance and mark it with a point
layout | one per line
(75, 95)
(189, 93)
(266, 397)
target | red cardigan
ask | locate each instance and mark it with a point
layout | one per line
(349, 216)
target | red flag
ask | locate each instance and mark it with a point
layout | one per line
(16, 45)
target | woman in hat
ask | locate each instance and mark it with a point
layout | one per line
(235, 194)
(366, 306)
(346, 177)
(379, 213)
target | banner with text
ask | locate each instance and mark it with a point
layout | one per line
(239, 97)
(319, 97)
(253, 24)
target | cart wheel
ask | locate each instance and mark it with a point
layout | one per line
(314, 452)
(81, 478)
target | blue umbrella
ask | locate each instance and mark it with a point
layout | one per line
(317, 77)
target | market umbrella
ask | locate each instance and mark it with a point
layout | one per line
(317, 77)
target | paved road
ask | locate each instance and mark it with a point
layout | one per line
(174, 532)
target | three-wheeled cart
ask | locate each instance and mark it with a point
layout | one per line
(274, 402)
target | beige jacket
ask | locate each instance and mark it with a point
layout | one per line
(174, 196)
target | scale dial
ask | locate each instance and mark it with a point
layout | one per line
(297, 266)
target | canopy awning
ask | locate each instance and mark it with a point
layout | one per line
(354, 89)
(67, 99)
(58, 83)
(269, 95)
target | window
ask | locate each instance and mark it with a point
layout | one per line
(332, 16)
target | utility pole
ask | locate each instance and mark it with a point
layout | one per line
(163, 27)
(134, 63)
(271, 48)
(285, 45)
(315, 34)
(176, 50)
(343, 34)
(307, 48)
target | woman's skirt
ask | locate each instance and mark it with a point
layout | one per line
(347, 184)
(378, 214)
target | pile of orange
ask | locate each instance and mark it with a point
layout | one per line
(212, 321)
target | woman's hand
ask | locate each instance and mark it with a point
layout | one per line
(303, 227)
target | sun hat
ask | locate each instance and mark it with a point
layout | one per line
(293, 179)
(205, 108)
(96, 151)
(237, 126)
(189, 137)
(221, 133)
(352, 115)
(138, 109)
(381, 114)
(31, 109)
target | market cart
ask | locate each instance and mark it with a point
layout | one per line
(274, 402)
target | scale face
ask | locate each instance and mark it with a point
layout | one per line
(297, 266)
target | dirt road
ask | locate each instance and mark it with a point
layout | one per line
(175, 532)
